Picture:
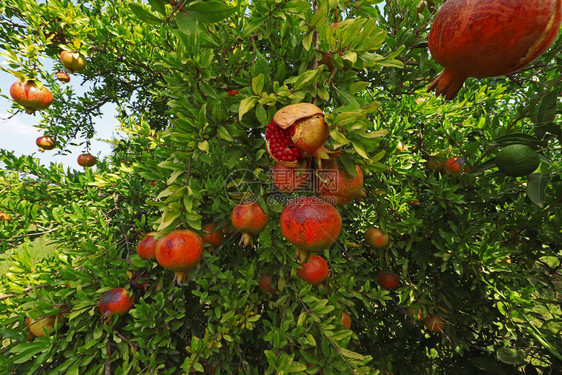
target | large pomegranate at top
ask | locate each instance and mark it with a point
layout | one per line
(250, 219)
(296, 132)
(311, 224)
(338, 186)
(32, 96)
(179, 251)
(72, 61)
(486, 38)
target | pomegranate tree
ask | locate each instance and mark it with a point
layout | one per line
(87, 160)
(296, 132)
(179, 251)
(45, 142)
(311, 224)
(338, 185)
(146, 247)
(72, 61)
(314, 270)
(213, 237)
(486, 38)
(115, 301)
(250, 219)
(31, 94)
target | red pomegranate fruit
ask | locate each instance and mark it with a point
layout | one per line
(115, 301)
(314, 271)
(311, 224)
(87, 160)
(453, 166)
(434, 323)
(486, 38)
(215, 238)
(265, 284)
(31, 94)
(388, 280)
(250, 219)
(296, 132)
(72, 61)
(146, 247)
(63, 77)
(45, 142)
(338, 186)
(180, 251)
(289, 180)
(376, 238)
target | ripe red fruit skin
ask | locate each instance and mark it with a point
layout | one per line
(250, 219)
(146, 247)
(339, 185)
(63, 77)
(87, 160)
(388, 280)
(289, 180)
(232, 92)
(45, 142)
(453, 166)
(72, 61)
(179, 251)
(265, 283)
(486, 38)
(345, 320)
(28, 95)
(376, 238)
(115, 301)
(215, 238)
(311, 224)
(314, 271)
(434, 323)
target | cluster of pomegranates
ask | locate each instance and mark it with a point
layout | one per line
(33, 96)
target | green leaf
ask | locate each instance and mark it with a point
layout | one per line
(209, 11)
(158, 5)
(246, 105)
(511, 356)
(257, 84)
(536, 187)
(547, 108)
(350, 354)
(144, 15)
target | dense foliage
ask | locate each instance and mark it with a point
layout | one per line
(196, 84)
